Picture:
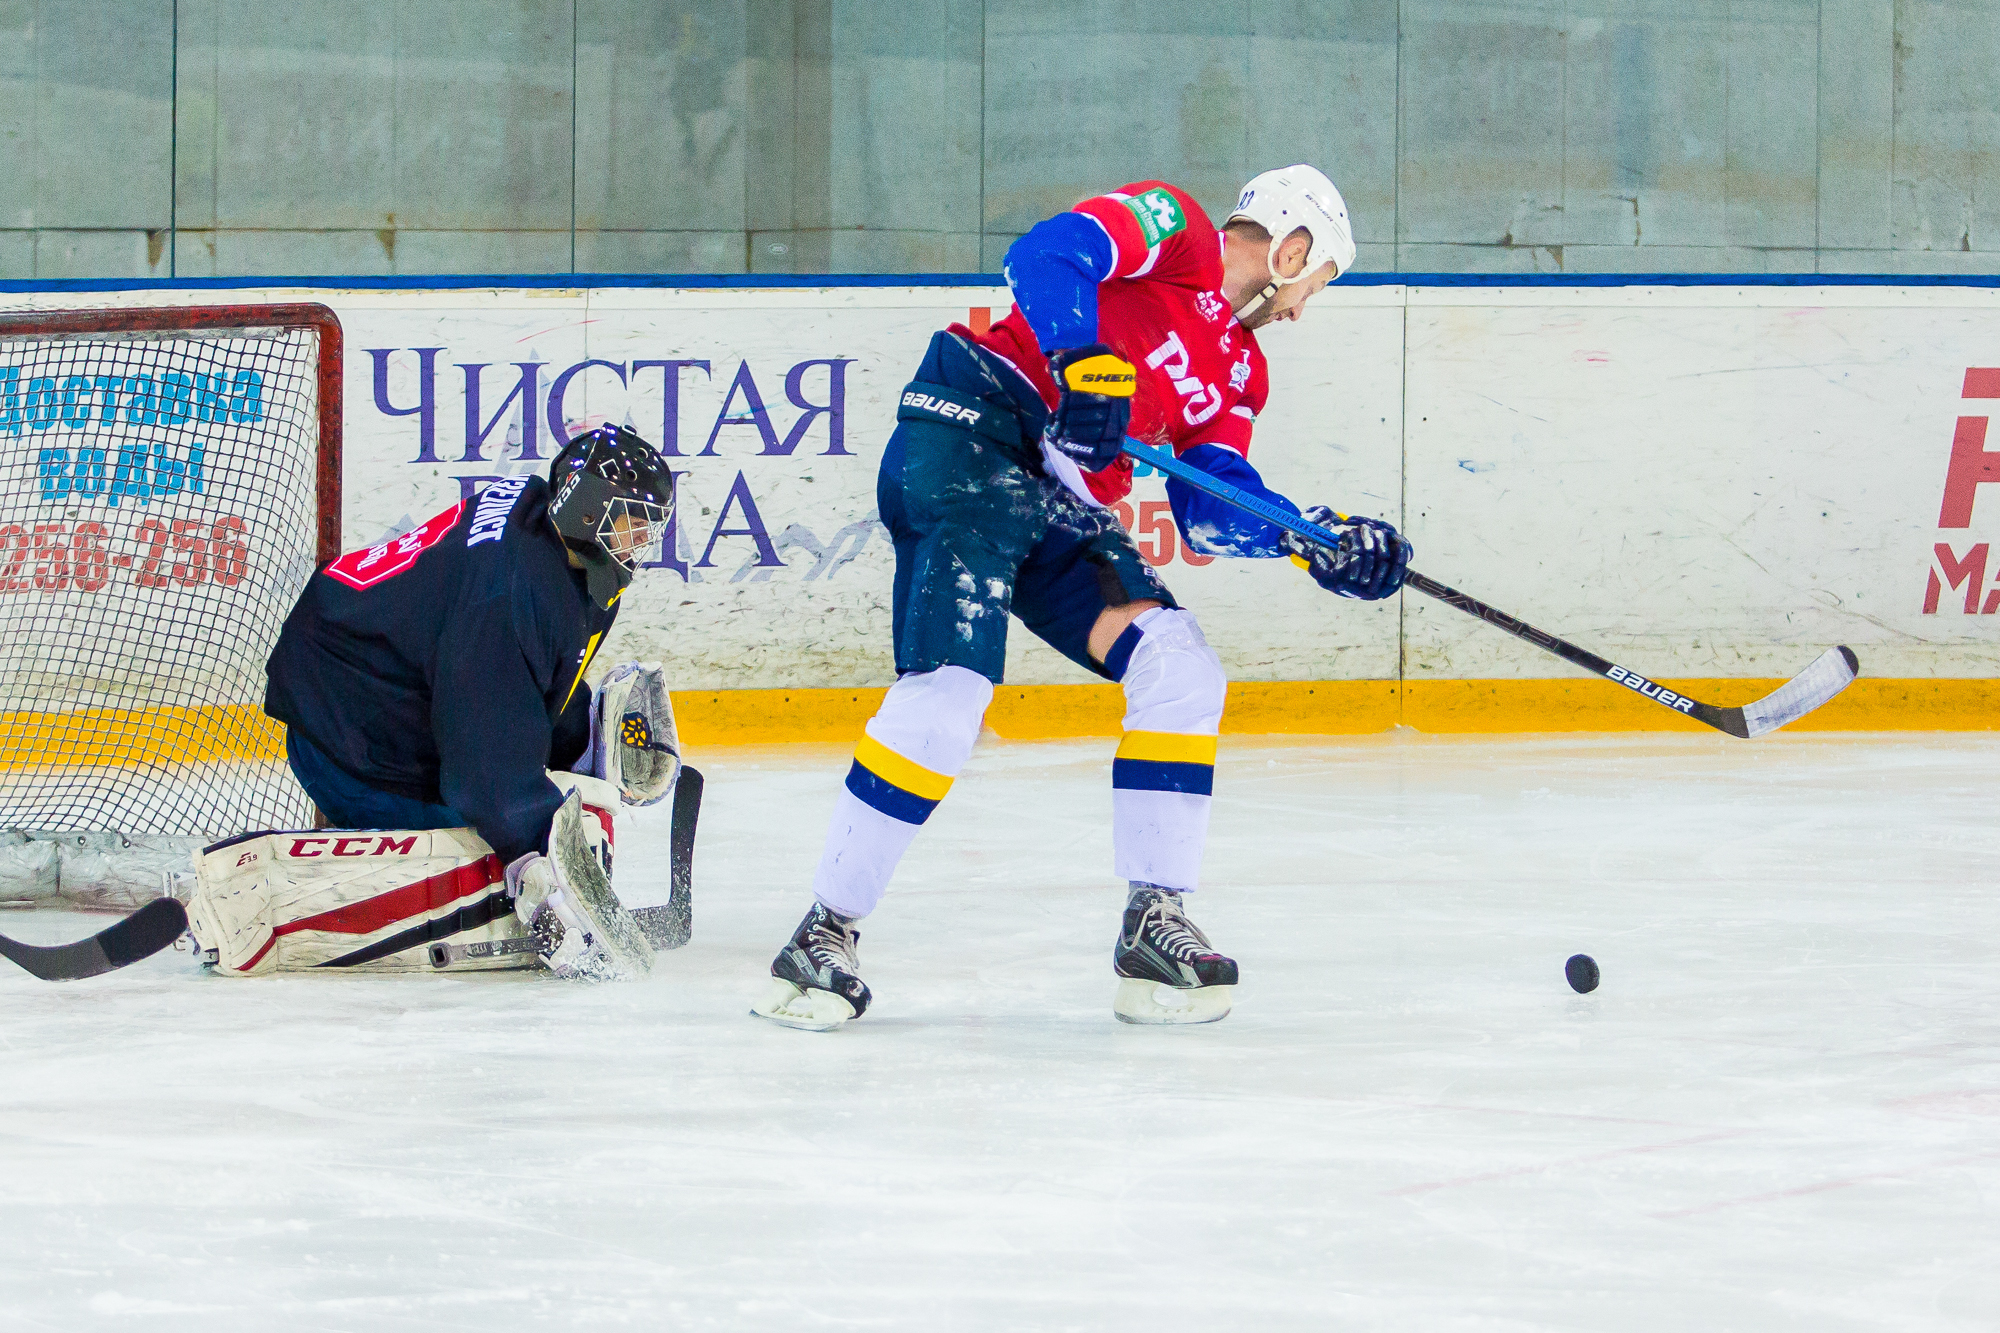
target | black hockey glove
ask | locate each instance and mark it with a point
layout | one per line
(1368, 564)
(1094, 387)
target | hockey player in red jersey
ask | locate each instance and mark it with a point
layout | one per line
(1132, 314)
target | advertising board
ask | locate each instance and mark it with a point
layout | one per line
(1706, 481)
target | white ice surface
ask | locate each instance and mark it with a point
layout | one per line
(1779, 1111)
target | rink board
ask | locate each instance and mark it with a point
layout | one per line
(1349, 708)
(1711, 483)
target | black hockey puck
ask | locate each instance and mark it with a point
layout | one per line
(1581, 969)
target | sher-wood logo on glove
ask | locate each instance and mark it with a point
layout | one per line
(1105, 373)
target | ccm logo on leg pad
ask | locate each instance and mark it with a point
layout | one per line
(370, 844)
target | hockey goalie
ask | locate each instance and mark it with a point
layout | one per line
(433, 692)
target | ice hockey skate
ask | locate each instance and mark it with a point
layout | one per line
(1168, 971)
(816, 980)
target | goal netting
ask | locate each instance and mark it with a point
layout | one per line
(169, 479)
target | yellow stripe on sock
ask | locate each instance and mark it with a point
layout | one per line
(912, 777)
(1167, 747)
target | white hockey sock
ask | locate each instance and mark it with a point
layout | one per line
(1165, 769)
(916, 744)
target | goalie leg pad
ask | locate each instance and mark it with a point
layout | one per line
(567, 900)
(369, 900)
(600, 810)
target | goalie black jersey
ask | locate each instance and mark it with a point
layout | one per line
(446, 665)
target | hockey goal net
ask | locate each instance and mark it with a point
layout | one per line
(169, 479)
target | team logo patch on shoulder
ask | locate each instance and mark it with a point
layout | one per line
(1159, 215)
(1211, 306)
(363, 569)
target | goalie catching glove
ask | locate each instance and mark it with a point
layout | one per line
(634, 744)
(1369, 563)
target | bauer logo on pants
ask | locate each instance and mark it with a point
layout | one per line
(956, 414)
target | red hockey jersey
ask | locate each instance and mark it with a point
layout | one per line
(1202, 378)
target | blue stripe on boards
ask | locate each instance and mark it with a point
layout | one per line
(1672, 279)
(1152, 775)
(684, 281)
(456, 281)
(887, 797)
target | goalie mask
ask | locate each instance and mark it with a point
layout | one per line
(613, 498)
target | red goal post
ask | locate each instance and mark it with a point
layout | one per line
(169, 478)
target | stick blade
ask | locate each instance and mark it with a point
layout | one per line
(140, 935)
(144, 933)
(1831, 672)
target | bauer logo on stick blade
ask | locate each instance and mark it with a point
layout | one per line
(1581, 970)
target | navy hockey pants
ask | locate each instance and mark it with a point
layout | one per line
(979, 532)
(348, 802)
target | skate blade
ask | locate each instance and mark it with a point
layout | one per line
(807, 1010)
(1139, 1001)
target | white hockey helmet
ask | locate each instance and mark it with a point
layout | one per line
(1286, 199)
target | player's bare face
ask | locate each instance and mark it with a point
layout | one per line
(1290, 300)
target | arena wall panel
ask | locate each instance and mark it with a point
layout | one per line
(1707, 481)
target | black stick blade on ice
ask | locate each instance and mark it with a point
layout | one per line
(140, 935)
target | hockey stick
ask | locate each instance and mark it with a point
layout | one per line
(672, 925)
(1830, 673)
(140, 935)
